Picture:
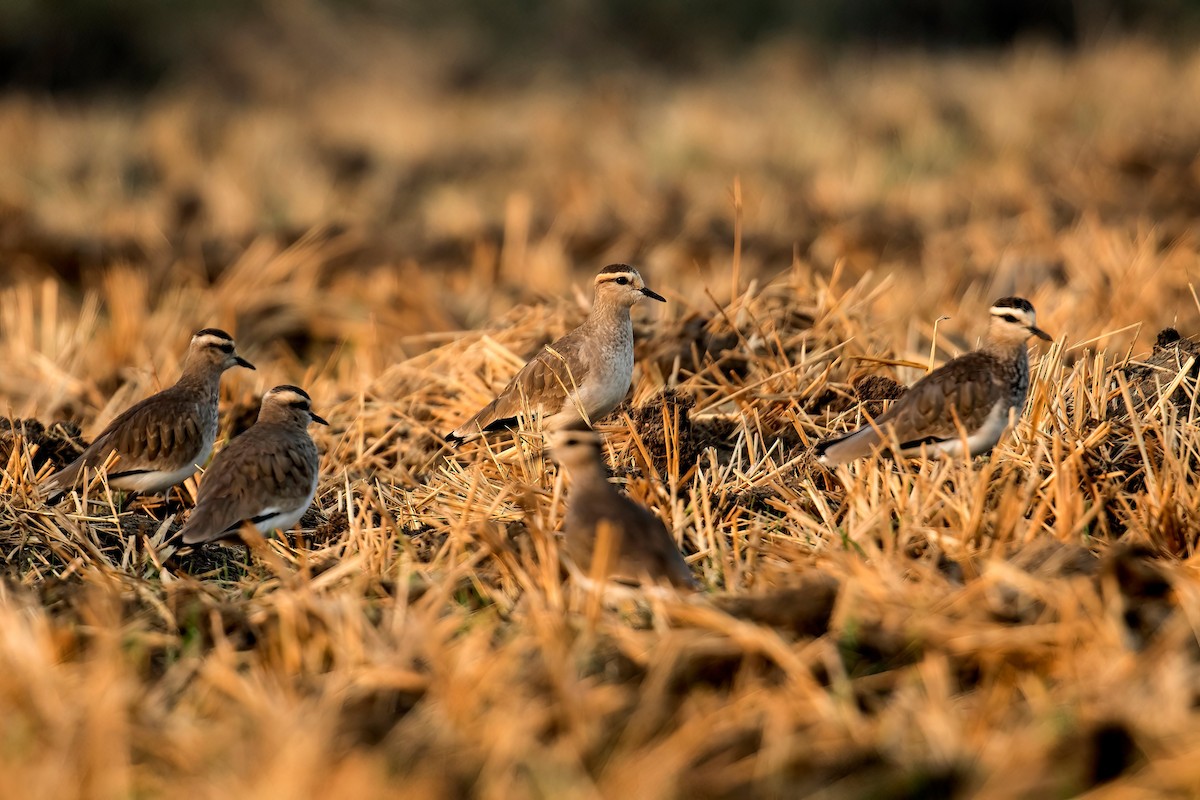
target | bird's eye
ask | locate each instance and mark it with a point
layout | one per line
(1010, 318)
(622, 281)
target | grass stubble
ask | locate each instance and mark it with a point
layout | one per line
(1022, 625)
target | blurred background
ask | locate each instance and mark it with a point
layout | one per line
(393, 203)
(82, 46)
(516, 147)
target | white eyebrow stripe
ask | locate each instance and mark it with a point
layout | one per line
(214, 341)
(289, 397)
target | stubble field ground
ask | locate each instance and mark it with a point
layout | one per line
(397, 239)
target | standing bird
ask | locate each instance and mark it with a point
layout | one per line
(165, 438)
(582, 376)
(972, 395)
(266, 476)
(638, 546)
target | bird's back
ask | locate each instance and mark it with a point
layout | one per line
(168, 431)
(542, 386)
(961, 395)
(268, 468)
(640, 544)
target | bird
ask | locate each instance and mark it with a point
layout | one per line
(580, 377)
(166, 438)
(640, 549)
(267, 476)
(969, 397)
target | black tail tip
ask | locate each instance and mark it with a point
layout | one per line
(453, 439)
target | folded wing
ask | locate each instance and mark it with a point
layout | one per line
(256, 477)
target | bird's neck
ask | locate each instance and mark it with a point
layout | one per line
(590, 479)
(607, 314)
(281, 417)
(1006, 349)
(201, 377)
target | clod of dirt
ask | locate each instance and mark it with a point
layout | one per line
(328, 530)
(1167, 337)
(667, 418)
(59, 445)
(872, 648)
(1049, 560)
(668, 409)
(1097, 754)
(1113, 751)
(756, 499)
(367, 717)
(225, 562)
(1147, 379)
(1145, 592)
(1011, 604)
(712, 664)
(871, 393)
(220, 560)
(1138, 573)
(874, 391)
(952, 570)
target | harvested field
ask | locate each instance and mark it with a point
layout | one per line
(824, 228)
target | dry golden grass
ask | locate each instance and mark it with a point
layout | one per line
(1020, 626)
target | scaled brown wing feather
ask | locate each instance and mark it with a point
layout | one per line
(956, 394)
(143, 434)
(255, 465)
(140, 435)
(542, 385)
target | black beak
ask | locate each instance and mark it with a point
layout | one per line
(653, 295)
(241, 362)
(318, 420)
(1041, 334)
